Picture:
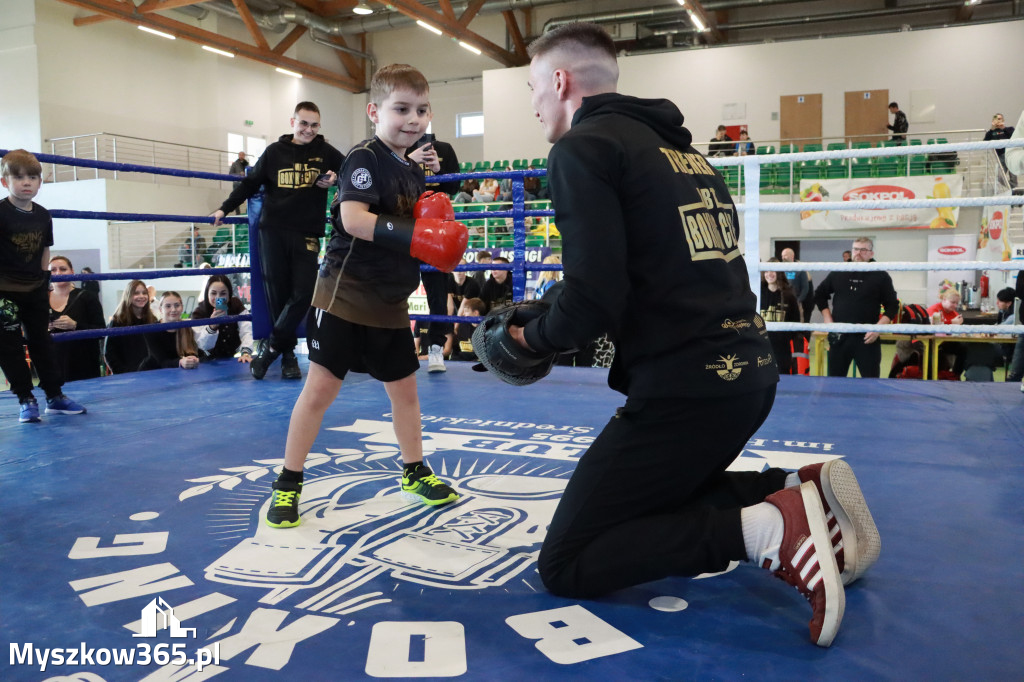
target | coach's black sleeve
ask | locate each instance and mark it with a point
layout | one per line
(583, 175)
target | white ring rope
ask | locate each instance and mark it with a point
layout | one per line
(915, 329)
(894, 265)
(899, 150)
(893, 204)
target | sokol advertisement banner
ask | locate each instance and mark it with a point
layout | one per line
(881, 189)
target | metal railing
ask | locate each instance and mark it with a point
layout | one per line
(136, 150)
(163, 245)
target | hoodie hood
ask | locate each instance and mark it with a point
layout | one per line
(660, 114)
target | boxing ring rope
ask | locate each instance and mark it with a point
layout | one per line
(518, 213)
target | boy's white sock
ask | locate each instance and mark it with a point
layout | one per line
(762, 533)
(793, 480)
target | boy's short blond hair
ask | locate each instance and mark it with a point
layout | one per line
(20, 162)
(394, 76)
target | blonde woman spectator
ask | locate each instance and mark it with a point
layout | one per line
(548, 277)
(171, 347)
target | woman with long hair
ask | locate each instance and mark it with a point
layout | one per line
(171, 347)
(548, 278)
(74, 309)
(779, 304)
(125, 353)
(222, 340)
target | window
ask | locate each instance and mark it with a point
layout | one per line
(469, 125)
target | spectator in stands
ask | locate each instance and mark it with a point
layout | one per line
(488, 192)
(779, 304)
(125, 353)
(548, 278)
(721, 144)
(899, 126)
(847, 256)
(74, 309)
(463, 347)
(497, 290)
(238, 167)
(192, 249)
(171, 347)
(856, 298)
(90, 285)
(745, 147)
(1000, 131)
(222, 340)
(435, 156)
(534, 187)
(947, 311)
(480, 276)
(463, 287)
(466, 191)
(802, 283)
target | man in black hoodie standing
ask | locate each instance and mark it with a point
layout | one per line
(295, 173)
(651, 257)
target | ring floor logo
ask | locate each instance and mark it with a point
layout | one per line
(382, 584)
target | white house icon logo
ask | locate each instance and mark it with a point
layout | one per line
(158, 615)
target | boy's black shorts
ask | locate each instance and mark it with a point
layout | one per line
(342, 346)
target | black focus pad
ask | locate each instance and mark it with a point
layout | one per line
(501, 354)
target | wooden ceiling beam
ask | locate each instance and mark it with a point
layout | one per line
(250, 23)
(517, 36)
(289, 40)
(456, 30)
(124, 12)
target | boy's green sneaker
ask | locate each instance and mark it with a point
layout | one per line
(431, 490)
(284, 507)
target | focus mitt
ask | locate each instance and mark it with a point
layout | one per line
(501, 354)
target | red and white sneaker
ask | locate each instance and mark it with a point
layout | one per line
(855, 537)
(806, 560)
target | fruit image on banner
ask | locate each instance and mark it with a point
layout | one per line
(993, 237)
(881, 189)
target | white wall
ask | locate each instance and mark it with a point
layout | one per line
(957, 63)
(19, 106)
(128, 82)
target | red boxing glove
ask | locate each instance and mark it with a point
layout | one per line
(440, 243)
(435, 241)
(434, 205)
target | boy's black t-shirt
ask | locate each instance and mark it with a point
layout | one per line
(460, 292)
(24, 235)
(360, 281)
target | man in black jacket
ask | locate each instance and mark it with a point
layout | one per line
(899, 125)
(295, 173)
(436, 158)
(856, 299)
(651, 257)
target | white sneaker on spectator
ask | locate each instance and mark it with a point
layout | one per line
(435, 360)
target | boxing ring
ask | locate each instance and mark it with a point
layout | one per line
(136, 530)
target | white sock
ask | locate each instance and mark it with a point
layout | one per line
(793, 480)
(762, 533)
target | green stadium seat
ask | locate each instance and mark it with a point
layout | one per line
(834, 146)
(519, 164)
(500, 165)
(885, 166)
(915, 142)
(862, 145)
(861, 169)
(787, 148)
(539, 163)
(466, 167)
(810, 170)
(481, 166)
(812, 148)
(919, 164)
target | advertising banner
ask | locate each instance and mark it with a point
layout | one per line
(949, 247)
(875, 189)
(993, 239)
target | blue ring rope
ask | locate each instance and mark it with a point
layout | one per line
(145, 328)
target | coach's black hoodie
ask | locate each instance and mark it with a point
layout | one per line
(288, 173)
(651, 255)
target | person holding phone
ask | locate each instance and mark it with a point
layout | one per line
(437, 158)
(222, 340)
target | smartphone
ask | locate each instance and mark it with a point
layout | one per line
(221, 304)
(322, 176)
